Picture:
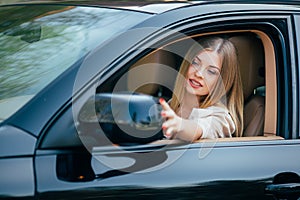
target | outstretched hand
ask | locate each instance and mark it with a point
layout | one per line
(173, 122)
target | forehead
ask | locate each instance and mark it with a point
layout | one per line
(209, 58)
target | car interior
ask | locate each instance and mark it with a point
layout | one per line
(256, 56)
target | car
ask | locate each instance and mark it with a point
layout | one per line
(80, 117)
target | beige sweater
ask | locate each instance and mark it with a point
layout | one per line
(215, 121)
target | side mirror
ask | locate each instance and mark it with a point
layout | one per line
(124, 118)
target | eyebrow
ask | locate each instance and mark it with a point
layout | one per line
(212, 66)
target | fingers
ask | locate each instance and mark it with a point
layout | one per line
(167, 110)
(169, 133)
(171, 125)
(168, 114)
(164, 104)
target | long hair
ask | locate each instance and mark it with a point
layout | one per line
(228, 88)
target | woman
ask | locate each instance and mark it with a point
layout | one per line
(208, 100)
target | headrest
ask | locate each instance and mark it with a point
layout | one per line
(252, 64)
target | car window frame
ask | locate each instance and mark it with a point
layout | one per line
(118, 64)
(296, 36)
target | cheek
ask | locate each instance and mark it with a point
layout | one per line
(210, 84)
(189, 72)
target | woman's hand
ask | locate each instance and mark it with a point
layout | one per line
(177, 127)
(173, 122)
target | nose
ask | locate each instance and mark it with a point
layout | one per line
(200, 73)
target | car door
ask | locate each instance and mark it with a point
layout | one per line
(250, 168)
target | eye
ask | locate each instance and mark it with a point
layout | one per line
(212, 71)
(195, 63)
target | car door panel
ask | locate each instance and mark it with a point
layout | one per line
(17, 177)
(182, 168)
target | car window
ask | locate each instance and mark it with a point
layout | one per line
(155, 75)
(152, 72)
(39, 46)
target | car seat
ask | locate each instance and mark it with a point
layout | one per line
(251, 60)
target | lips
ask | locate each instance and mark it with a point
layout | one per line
(195, 84)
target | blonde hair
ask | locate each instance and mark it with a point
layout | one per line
(228, 88)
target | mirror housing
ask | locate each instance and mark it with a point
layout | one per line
(124, 118)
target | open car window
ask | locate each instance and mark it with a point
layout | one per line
(151, 75)
(155, 73)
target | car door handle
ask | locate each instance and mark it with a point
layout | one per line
(284, 190)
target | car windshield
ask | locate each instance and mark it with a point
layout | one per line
(38, 43)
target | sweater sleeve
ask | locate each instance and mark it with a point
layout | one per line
(215, 122)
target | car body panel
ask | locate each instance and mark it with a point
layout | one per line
(252, 164)
(206, 10)
(16, 162)
(15, 142)
(17, 177)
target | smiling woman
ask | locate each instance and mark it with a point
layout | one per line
(38, 48)
(208, 95)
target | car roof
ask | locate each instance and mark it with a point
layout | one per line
(160, 7)
(157, 7)
(151, 6)
(141, 6)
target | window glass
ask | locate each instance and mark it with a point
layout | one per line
(38, 43)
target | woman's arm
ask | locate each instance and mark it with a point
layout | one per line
(177, 127)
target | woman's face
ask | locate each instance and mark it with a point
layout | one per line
(203, 73)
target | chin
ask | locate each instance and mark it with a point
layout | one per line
(192, 91)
